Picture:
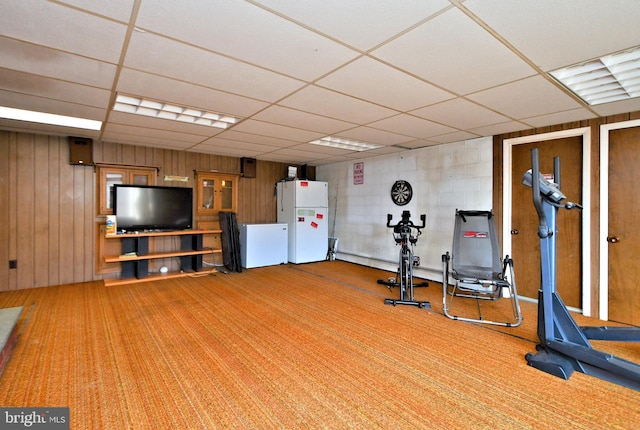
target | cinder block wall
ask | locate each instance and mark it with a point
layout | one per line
(444, 178)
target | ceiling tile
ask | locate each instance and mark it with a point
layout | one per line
(50, 24)
(343, 20)
(54, 89)
(264, 38)
(384, 150)
(334, 105)
(153, 133)
(224, 151)
(145, 122)
(346, 158)
(283, 157)
(456, 136)
(116, 9)
(409, 125)
(418, 143)
(548, 31)
(373, 81)
(454, 52)
(241, 137)
(250, 149)
(506, 127)
(372, 135)
(321, 149)
(275, 130)
(542, 97)
(144, 140)
(460, 113)
(305, 154)
(295, 118)
(630, 105)
(169, 90)
(58, 107)
(165, 57)
(559, 117)
(51, 63)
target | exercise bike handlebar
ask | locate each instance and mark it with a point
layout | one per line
(405, 221)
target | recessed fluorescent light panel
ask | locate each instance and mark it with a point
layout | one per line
(49, 118)
(607, 79)
(140, 106)
(338, 142)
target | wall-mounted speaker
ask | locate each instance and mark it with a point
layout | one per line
(305, 173)
(80, 151)
(248, 167)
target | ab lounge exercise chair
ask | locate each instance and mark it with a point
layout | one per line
(475, 269)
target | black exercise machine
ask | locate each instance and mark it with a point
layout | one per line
(405, 234)
(564, 346)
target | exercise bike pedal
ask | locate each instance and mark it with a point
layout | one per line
(390, 283)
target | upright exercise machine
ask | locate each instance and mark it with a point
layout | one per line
(564, 346)
(405, 234)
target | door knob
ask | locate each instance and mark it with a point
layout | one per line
(514, 231)
(613, 239)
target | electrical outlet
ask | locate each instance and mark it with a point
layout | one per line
(13, 264)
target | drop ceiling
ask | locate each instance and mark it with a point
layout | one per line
(402, 75)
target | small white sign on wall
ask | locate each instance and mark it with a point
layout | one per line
(358, 173)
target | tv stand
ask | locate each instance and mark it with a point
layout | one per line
(135, 255)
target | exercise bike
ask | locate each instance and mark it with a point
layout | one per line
(564, 346)
(405, 234)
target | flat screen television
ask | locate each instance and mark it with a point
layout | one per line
(146, 207)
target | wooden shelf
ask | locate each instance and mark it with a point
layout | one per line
(121, 258)
(135, 267)
(161, 233)
(153, 277)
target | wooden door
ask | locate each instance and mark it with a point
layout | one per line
(624, 229)
(525, 243)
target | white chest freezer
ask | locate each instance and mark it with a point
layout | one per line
(263, 244)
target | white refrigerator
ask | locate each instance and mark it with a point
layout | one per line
(303, 205)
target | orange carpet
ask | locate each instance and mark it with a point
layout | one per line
(285, 347)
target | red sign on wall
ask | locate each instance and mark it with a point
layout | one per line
(358, 173)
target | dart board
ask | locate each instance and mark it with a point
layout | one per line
(401, 192)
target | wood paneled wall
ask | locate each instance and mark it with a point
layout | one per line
(48, 207)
